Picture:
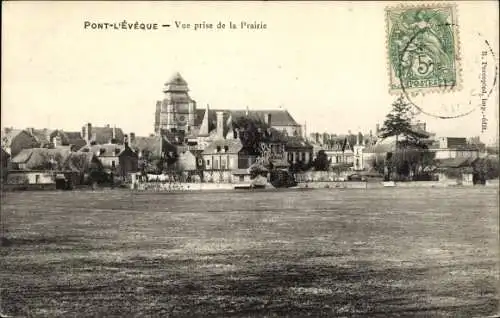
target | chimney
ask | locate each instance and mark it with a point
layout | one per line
(87, 132)
(132, 138)
(220, 125)
(268, 120)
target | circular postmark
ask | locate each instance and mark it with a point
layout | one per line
(451, 98)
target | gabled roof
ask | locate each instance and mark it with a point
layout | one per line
(278, 117)
(103, 135)
(233, 146)
(9, 135)
(106, 150)
(153, 144)
(42, 135)
(69, 138)
(35, 158)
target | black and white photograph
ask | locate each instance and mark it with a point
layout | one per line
(249, 159)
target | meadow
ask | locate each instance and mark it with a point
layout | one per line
(333, 252)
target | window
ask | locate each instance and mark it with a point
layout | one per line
(208, 163)
(242, 178)
(37, 178)
(113, 164)
(226, 148)
(223, 163)
(218, 148)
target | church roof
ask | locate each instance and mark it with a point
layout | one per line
(176, 79)
(278, 117)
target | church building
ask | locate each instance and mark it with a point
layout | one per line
(178, 115)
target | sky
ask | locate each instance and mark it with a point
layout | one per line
(326, 63)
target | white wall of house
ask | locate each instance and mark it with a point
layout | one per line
(290, 130)
(107, 162)
(455, 153)
(221, 161)
(30, 177)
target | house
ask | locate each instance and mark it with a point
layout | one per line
(102, 135)
(151, 146)
(221, 157)
(41, 135)
(298, 150)
(37, 166)
(456, 170)
(117, 159)
(72, 139)
(453, 147)
(15, 140)
(81, 165)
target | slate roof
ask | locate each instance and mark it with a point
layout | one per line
(8, 136)
(278, 117)
(104, 134)
(36, 157)
(106, 150)
(455, 162)
(297, 142)
(70, 138)
(234, 146)
(152, 144)
(177, 79)
(42, 136)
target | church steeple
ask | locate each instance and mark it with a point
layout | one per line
(176, 83)
(178, 109)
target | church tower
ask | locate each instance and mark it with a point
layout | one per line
(177, 110)
(358, 155)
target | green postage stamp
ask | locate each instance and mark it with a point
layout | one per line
(423, 48)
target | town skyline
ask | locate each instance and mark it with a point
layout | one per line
(327, 80)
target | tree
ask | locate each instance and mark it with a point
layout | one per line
(397, 124)
(321, 163)
(251, 133)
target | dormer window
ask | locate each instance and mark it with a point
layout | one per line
(226, 148)
(218, 148)
(117, 151)
(102, 151)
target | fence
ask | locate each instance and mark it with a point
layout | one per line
(321, 176)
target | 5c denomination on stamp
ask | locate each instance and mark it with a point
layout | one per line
(423, 48)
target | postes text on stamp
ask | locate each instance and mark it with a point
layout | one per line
(423, 48)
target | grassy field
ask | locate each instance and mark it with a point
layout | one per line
(381, 252)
